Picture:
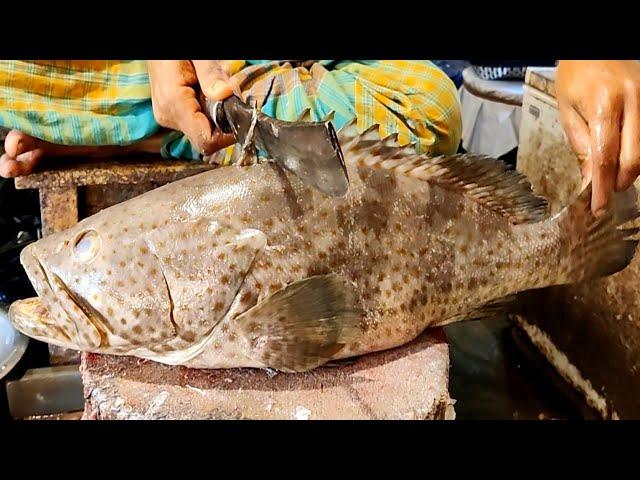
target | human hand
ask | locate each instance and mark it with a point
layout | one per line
(174, 96)
(599, 104)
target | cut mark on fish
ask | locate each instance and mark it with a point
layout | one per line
(251, 241)
(44, 274)
(174, 325)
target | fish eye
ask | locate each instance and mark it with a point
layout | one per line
(86, 246)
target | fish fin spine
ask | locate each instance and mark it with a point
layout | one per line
(485, 180)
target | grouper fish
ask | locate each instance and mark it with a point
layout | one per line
(248, 267)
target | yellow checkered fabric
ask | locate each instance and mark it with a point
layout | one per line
(107, 102)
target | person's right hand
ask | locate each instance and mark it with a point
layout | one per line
(599, 104)
(175, 101)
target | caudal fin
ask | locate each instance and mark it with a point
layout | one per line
(597, 247)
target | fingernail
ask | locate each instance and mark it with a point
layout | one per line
(219, 88)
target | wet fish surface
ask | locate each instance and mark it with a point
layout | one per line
(248, 267)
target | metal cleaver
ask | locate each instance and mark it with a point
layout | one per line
(309, 150)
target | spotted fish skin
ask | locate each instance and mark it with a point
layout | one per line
(182, 274)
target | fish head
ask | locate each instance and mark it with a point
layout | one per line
(98, 285)
(128, 287)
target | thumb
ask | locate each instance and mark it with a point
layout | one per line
(213, 77)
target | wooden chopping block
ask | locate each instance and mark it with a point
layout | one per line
(409, 382)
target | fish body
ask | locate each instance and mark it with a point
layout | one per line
(248, 267)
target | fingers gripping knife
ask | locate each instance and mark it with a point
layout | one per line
(309, 150)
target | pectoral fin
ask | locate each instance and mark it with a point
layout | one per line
(303, 325)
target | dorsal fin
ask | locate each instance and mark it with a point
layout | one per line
(483, 179)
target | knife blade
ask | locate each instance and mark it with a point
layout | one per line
(309, 150)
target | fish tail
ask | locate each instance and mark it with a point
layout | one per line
(596, 247)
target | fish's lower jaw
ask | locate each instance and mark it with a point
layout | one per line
(31, 318)
(44, 338)
(42, 335)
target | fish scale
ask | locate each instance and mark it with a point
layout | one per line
(248, 267)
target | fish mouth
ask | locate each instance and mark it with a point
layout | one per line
(31, 316)
(80, 314)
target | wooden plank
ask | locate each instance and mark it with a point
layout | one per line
(133, 171)
(58, 208)
(93, 198)
(59, 356)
